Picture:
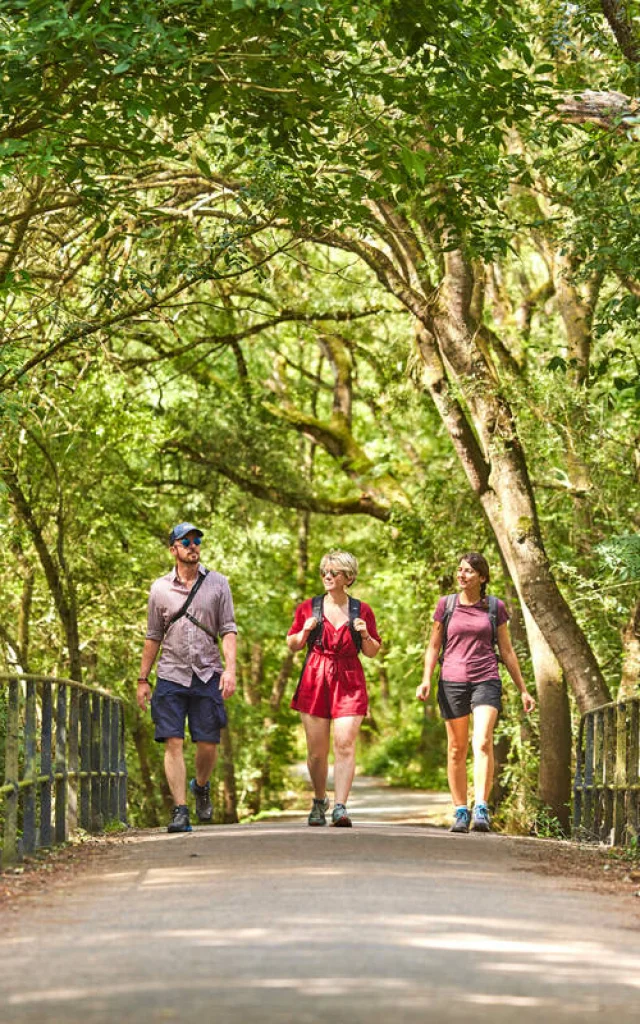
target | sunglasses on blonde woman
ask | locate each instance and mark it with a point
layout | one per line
(331, 572)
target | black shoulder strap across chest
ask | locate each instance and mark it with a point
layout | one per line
(449, 608)
(315, 636)
(192, 593)
(354, 613)
(492, 612)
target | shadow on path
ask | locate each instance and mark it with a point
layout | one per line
(276, 922)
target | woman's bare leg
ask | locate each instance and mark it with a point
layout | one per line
(457, 746)
(484, 720)
(317, 731)
(345, 734)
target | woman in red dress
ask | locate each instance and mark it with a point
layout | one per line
(332, 685)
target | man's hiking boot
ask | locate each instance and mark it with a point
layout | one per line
(461, 821)
(180, 820)
(318, 814)
(204, 810)
(481, 819)
(340, 818)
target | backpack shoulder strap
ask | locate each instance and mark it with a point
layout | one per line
(192, 593)
(449, 608)
(354, 613)
(317, 604)
(316, 610)
(492, 612)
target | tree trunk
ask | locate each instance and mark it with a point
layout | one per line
(24, 616)
(269, 731)
(483, 432)
(229, 789)
(253, 686)
(508, 498)
(59, 581)
(140, 737)
(554, 777)
(630, 681)
(501, 483)
(501, 750)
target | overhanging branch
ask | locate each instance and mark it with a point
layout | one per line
(364, 504)
(611, 110)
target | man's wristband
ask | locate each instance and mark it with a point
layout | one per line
(143, 679)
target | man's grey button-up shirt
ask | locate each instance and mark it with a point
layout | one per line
(185, 647)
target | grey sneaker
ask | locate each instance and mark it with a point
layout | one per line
(204, 810)
(481, 820)
(180, 820)
(318, 814)
(461, 821)
(340, 818)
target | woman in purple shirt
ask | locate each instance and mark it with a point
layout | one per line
(470, 682)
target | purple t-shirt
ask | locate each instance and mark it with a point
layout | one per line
(469, 656)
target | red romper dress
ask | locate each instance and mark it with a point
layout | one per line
(332, 684)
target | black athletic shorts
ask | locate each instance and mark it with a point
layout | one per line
(201, 703)
(456, 700)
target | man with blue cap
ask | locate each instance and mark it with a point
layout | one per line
(189, 609)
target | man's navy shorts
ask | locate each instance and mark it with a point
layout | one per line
(456, 700)
(201, 703)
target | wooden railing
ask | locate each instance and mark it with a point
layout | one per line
(64, 762)
(606, 788)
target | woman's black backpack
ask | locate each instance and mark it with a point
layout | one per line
(492, 612)
(315, 636)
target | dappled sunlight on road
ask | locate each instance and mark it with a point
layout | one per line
(365, 926)
(178, 876)
(332, 994)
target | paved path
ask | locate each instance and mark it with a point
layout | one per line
(371, 799)
(275, 922)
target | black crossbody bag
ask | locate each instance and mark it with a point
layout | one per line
(192, 593)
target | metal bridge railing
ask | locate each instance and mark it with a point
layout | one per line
(64, 762)
(606, 788)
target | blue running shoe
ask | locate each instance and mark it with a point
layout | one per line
(204, 809)
(340, 817)
(319, 808)
(180, 820)
(481, 819)
(462, 820)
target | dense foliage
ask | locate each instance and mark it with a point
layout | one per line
(240, 242)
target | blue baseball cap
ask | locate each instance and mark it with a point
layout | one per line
(181, 530)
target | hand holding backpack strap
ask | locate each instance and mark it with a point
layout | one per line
(354, 613)
(315, 636)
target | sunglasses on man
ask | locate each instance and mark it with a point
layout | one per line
(188, 541)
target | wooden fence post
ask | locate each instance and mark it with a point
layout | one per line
(46, 832)
(61, 766)
(29, 838)
(10, 851)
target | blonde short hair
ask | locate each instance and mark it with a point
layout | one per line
(341, 560)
